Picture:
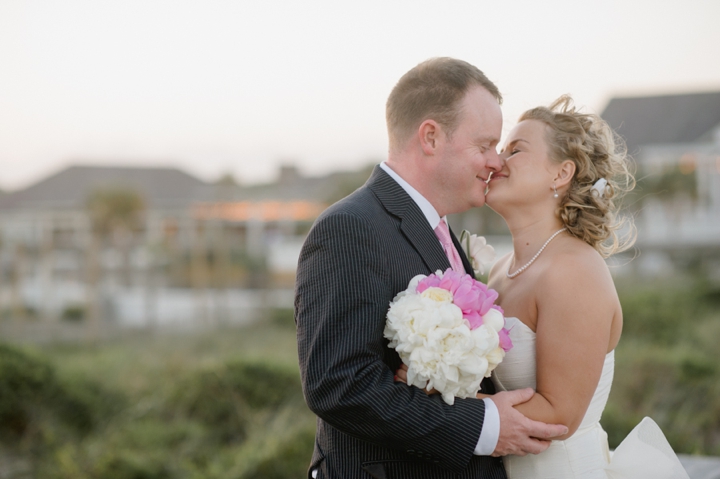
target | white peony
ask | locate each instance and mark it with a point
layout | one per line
(494, 319)
(436, 343)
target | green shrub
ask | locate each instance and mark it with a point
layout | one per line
(31, 393)
(210, 399)
(73, 313)
(24, 381)
(263, 385)
(677, 387)
(224, 398)
(172, 421)
(667, 364)
(664, 314)
(128, 464)
(711, 295)
(283, 317)
(291, 459)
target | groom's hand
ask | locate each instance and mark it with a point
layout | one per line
(518, 434)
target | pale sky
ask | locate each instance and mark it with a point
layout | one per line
(242, 87)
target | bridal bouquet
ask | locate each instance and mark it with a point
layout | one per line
(449, 332)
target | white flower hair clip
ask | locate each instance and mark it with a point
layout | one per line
(599, 186)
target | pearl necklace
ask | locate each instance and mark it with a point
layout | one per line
(525, 266)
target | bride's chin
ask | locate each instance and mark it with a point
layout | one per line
(491, 197)
(496, 201)
(493, 202)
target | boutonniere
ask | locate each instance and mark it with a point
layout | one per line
(478, 251)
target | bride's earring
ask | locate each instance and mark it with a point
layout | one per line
(555, 190)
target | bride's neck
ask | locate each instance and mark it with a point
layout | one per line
(529, 236)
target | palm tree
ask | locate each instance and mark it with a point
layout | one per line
(116, 214)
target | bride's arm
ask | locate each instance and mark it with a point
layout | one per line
(577, 304)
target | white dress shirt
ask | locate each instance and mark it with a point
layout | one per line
(491, 426)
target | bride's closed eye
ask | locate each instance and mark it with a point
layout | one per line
(511, 154)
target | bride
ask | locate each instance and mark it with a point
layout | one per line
(558, 187)
(557, 190)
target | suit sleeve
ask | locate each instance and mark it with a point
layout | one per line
(342, 297)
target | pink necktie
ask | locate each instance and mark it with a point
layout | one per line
(443, 233)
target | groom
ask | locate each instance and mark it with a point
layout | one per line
(444, 123)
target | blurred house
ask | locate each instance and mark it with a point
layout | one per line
(675, 141)
(277, 216)
(55, 210)
(52, 256)
(91, 233)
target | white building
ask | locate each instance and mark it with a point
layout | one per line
(675, 141)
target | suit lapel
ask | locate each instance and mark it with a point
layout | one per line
(413, 223)
(418, 232)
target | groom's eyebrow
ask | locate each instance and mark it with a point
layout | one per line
(488, 140)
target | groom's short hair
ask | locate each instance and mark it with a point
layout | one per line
(432, 90)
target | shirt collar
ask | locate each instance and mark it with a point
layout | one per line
(428, 209)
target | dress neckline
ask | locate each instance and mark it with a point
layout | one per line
(517, 320)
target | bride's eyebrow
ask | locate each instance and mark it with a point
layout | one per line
(512, 143)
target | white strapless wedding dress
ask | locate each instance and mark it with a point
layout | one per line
(644, 454)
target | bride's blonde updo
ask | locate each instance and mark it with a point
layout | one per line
(597, 152)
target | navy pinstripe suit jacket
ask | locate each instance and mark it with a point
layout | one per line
(359, 254)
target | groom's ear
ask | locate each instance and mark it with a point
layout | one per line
(428, 134)
(565, 173)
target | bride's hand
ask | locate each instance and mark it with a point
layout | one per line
(401, 377)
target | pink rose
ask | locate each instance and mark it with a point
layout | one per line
(505, 341)
(431, 281)
(471, 296)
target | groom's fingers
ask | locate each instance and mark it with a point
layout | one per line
(519, 396)
(540, 430)
(518, 434)
(534, 446)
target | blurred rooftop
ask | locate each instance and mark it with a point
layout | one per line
(663, 119)
(70, 188)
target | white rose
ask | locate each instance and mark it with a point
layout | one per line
(486, 339)
(494, 319)
(480, 253)
(494, 358)
(412, 286)
(438, 294)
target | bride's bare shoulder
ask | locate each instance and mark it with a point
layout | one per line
(575, 265)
